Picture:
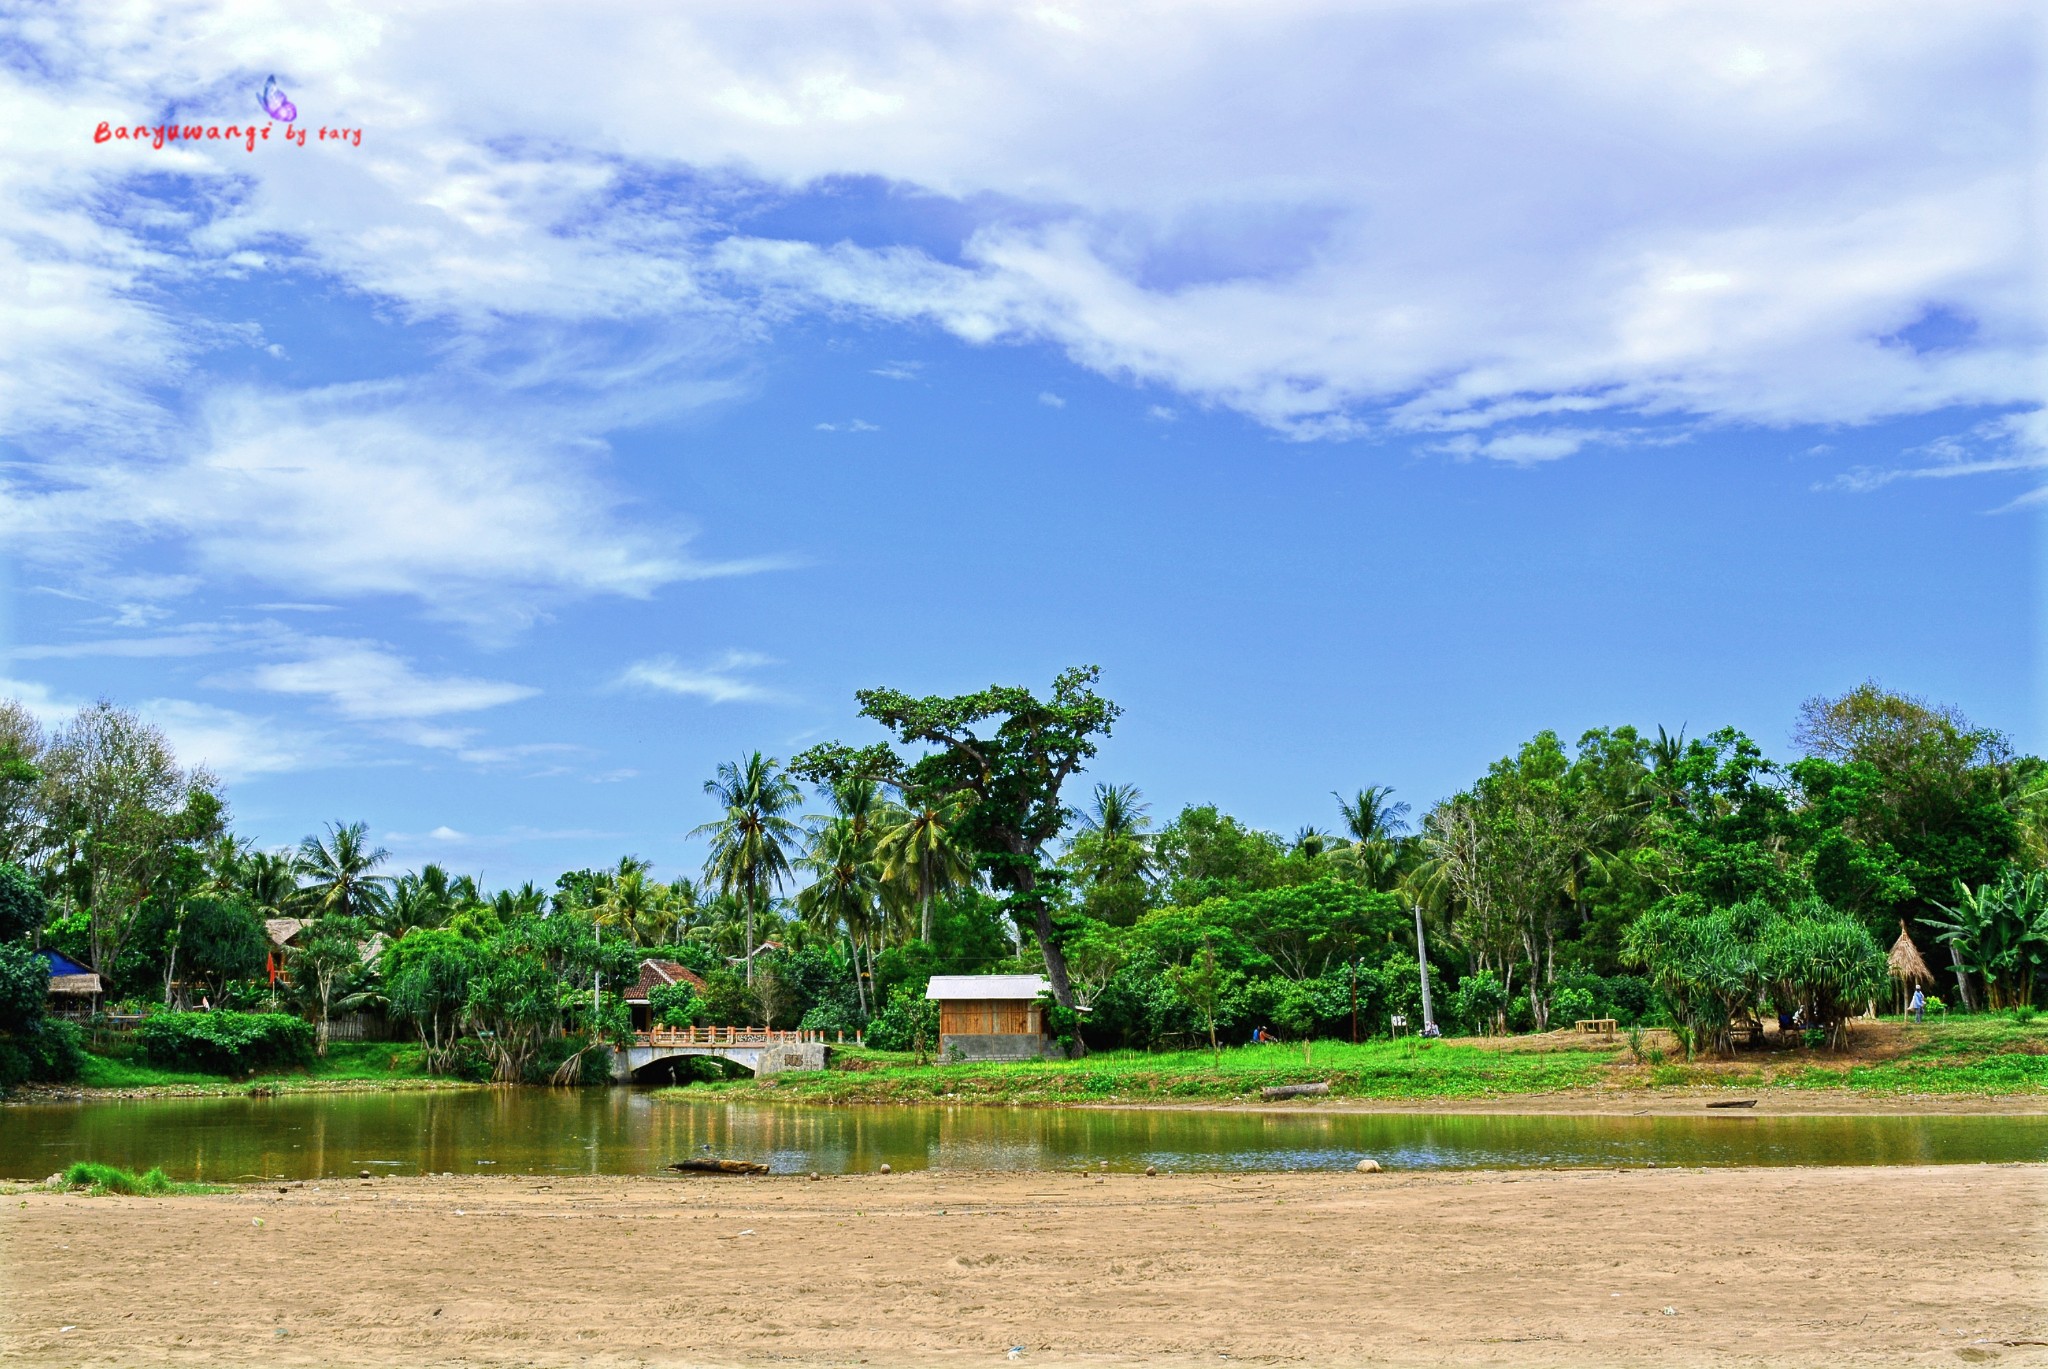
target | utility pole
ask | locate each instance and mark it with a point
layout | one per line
(1422, 965)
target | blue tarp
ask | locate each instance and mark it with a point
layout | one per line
(62, 964)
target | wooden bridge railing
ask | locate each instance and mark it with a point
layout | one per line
(734, 1036)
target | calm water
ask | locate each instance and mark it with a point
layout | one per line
(626, 1131)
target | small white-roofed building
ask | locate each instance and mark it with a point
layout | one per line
(992, 1017)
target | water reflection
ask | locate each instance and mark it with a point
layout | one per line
(627, 1131)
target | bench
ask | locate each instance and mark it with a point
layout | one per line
(1601, 1026)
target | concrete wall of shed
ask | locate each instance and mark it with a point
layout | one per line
(1002, 1046)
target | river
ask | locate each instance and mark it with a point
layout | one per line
(635, 1131)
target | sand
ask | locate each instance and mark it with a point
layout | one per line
(1896, 1266)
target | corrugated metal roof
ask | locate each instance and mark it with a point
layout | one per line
(981, 987)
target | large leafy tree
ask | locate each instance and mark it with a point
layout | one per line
(340, 872)
(751, 842)
(1010, 753)
(1898, 800)
(126, 820)
(23, 831)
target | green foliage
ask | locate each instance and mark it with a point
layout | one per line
(219, 939)
(1713, 967)
(675, 1005)
(426, 983)
(23, 909)
(729, 1001)
(909, 1017)
(2001, 930)
(1480, 1003)
(52, 1052)
(224, 1042)
(113, 1179)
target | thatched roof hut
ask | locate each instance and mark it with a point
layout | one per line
(1906, 964)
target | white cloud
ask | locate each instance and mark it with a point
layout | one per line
(899, 370)
(365, 681)
(1051, 400)
(1337, 219)
(349, 493)
(852, 425)
(236, 745)
(719, 682)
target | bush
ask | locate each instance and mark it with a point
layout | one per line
(1572, 1004)
(114, 1179)
(52, 1054)
(674, 1005)
(225, 1042)
(1479, 1001)
(895, 1027)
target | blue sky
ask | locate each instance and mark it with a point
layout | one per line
(1362, 387)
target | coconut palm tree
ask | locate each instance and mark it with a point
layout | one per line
(338, 871)
(269, 880)
(750, 844)
(919, 853)
(845, 892)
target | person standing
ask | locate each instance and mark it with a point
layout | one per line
(1918, 1006)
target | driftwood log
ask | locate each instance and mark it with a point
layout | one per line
(1735, 1103)
(1294, 1091)
(720, 1166)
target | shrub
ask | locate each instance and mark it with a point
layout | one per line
(1479, 1001)
(1571, 1005)
(114, 1179)
(674, 1005)
(895, 1027)
(52, 1054)
(225, 1042)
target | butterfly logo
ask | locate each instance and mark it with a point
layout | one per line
(277, 104)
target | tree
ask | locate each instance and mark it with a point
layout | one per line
(23, 908)
(1202, 984)
(918, 851)
(23, 831)
(123, 815)
(845, 893)
(218, 939)
(2000, 931)
(1013, 775)
(426, 983)
(327, 953)
(339, 872)
(750, 844)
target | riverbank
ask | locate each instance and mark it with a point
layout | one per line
(348, 1067)
(1545, 1268)
(1888, 1060)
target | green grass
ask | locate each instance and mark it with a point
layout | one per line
(103, 1179)
(347, 1062)
(1960, 1055)
(1381, 1069)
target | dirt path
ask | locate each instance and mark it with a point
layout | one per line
(1905, 1266)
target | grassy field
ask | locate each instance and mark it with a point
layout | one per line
(1961, 1056)
(358, 1064)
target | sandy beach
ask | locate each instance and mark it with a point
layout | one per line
(1897, 1266)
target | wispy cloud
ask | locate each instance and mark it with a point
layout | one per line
(2012, 444)
(718, 682)
(1051, 400)
(366, 681)
(852, 425)
(899, 370)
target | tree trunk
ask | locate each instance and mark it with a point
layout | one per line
(750, 939)
(924, 894)
(1055, 960)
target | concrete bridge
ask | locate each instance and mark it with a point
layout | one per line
(752, 1048)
